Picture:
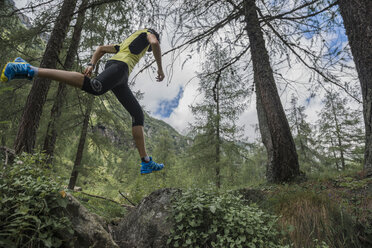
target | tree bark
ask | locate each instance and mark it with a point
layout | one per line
(80, 150)
(282, 156)
(84, 131)
(357, 16)
(216, 96)
(26, 136)
(52, 132)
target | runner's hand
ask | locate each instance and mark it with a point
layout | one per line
(88, 71)
(160, 76)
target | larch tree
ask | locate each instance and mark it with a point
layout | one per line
(26, 136)
(225, 98)
(276, 135)
(52, 132)
(81, 145)
(304, 137)
(101, 35)
(357, 17)
(340, 132)
(226, 22)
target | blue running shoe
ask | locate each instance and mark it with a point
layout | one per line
(151, 166)
(19, 59)
(17, 70)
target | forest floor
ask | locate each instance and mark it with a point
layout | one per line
(325, 209)
(321, 207)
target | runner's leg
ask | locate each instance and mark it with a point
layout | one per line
(72, 78)
(130, 103)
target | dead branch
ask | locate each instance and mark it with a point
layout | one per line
(96, 4)
(126, 198)
(107, 199)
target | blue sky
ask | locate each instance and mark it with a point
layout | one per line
(336, 44)
(166, 107)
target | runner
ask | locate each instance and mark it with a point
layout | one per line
(114, 77)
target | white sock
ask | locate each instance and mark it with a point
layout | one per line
(146, 159)
(35, 69)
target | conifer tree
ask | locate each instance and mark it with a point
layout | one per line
(340, 132)
(274, 127)
(304, 136)
(82, 139)
(26, 136)
(101, 36)
(216, 116)
(52, 132)
(357, 17)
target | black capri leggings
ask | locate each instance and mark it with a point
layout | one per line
(115, 78)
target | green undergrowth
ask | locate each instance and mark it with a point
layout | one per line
(205, 218)
(32, 206)
(328, 211)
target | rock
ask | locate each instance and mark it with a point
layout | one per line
(147, 225)
(90, 229)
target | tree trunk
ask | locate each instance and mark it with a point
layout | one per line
(216, 92)
(51, 134)
(282, 161)
(334, 153)
(80, 150)
(79, 153)
(357, 16)
(338, 135)
(26, 136)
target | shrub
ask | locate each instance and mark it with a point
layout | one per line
(207, 219)
(31, 206)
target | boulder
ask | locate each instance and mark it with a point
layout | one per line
(90, 230)
(147, 225)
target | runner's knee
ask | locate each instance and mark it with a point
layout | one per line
(93, 86)
(138, 119)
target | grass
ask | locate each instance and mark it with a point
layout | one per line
(329, 211)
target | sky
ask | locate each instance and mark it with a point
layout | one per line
(170, 100)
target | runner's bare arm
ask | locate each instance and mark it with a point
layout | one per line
(100, 51)
(156, 50)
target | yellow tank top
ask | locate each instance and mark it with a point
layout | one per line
(133, 48)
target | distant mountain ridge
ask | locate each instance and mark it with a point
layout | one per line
(154, 129)
(24, 19)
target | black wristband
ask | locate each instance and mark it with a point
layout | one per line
(90, 64)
